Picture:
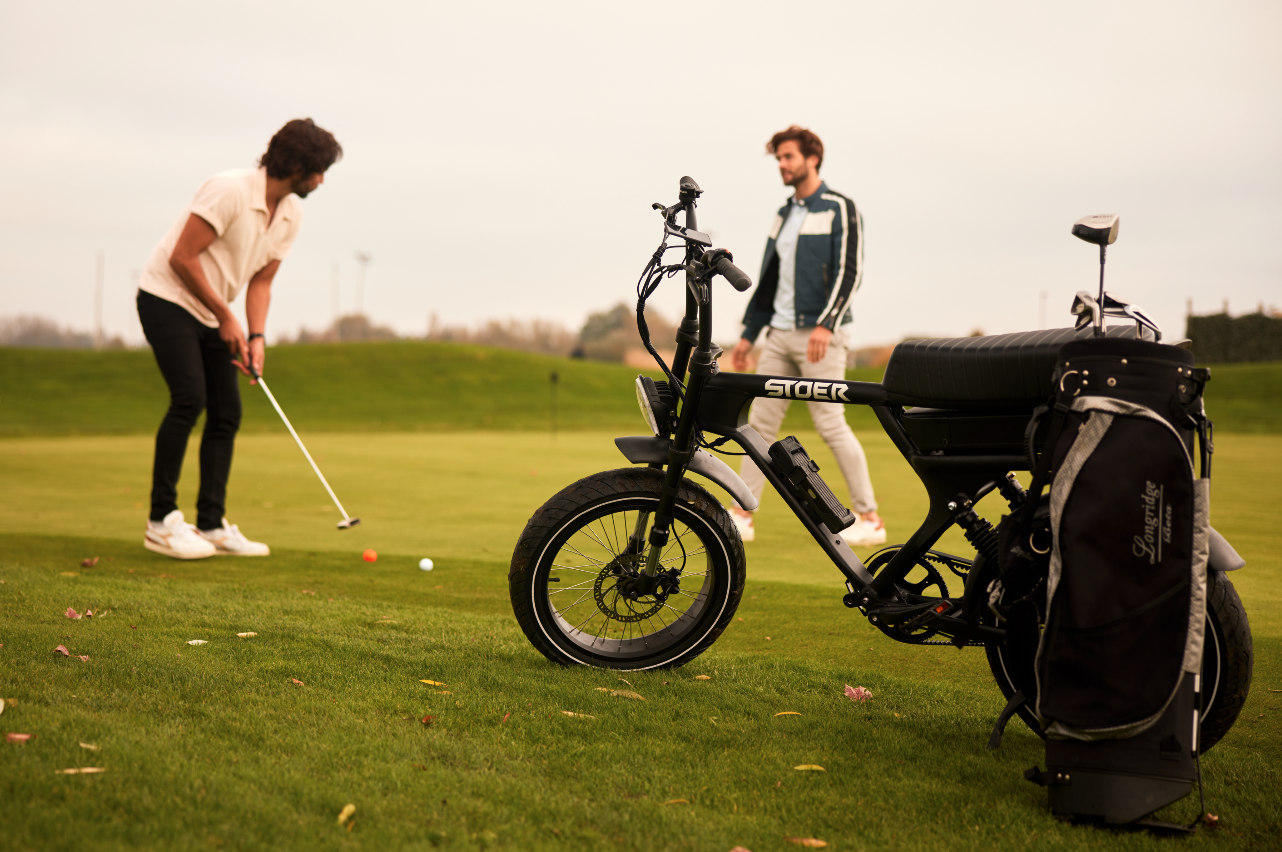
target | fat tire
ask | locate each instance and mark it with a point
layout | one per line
(573, 502)
(1228, 631)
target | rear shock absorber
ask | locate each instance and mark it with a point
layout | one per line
(978, 532)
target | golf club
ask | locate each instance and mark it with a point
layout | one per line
(347, 522)
(1100, 229)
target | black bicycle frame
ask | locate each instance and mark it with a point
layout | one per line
(718, 403)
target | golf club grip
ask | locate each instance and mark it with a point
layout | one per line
(737, 277)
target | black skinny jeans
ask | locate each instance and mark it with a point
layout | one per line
(198, 368)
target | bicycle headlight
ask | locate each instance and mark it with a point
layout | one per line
(656, 404)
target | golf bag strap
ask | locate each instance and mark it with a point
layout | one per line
(1042, 466)
(1018, 700)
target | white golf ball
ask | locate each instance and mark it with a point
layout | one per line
(426, 564)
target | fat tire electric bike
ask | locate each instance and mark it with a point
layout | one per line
(643, 568)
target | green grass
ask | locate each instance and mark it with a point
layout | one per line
(214, 746)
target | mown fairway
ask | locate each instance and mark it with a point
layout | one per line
(215, 746)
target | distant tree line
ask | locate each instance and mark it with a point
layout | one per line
(41, 333)
(1222, 339)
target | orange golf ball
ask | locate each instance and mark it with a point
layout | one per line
(370, 556)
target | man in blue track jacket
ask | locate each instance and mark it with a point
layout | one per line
(812, 267)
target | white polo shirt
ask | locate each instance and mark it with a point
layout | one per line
(234, 203)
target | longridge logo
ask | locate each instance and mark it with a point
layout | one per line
(1157, 524)
(821, 391)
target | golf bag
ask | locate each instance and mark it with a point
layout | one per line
(1123, 559)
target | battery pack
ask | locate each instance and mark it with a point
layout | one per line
(801, 473)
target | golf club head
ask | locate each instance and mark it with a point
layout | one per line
(1100, 229)
(1086, 309)
(348, 523)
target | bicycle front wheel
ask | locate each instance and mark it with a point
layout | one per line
(577, 587)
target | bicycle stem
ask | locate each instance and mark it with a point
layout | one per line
(700, 369)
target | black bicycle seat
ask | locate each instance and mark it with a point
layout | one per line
(998, 371)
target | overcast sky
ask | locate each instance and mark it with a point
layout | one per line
(501, 157)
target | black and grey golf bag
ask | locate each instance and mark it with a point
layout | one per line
(1119, 567)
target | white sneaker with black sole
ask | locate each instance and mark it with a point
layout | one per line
(743, 523)
(230, 541)
(864, 533)
(175, 537)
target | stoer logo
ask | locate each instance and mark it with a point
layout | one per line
(823, 391)
(1157, 524)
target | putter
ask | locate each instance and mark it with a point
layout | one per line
(347, 522)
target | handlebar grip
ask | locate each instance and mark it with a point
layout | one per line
(737, 277)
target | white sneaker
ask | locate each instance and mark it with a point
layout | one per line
(174, 537)
(230, 541)
(864, 534)
(743, 523)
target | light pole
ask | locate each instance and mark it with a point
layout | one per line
(362, 260)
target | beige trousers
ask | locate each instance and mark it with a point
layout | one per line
(785, 355)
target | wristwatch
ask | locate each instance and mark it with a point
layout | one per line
(256, 334)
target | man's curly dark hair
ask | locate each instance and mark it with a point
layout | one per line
(300, 148)
(806, 140)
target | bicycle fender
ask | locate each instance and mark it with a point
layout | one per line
(645, 449)
(1223, 557)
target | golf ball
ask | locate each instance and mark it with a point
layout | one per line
(370, 556)
(425, 564)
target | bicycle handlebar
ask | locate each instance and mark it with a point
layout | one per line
(737, 277)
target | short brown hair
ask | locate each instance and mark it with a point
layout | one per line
(300, 148)
(808, 142)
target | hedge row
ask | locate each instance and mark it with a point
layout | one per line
(1222, 339)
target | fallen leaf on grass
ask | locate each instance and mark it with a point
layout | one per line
(626, 693)
(297, 681)
(443, 692)
(1212, 821)
(506, 716)
(428, 720)
(246, 635)
(808, 842)
(1272, 690)
(788, 713)
(897, 716)
(90, 746)
(601, 689)
(628, 682)
(89, 563)
(84, 658)
(767, 638)
(197, 641)
(71, 613)
(702, 677)
(14, 737)
(80, 770)
(741, 849)
(574, 715)
(858, 693)
(346, 813)
(677, 802)
(433, 683)
(133, 627)
(62, 649)
(419, 766)
(306, 592)
(810, 767)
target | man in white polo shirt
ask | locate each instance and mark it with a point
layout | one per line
(231, 238)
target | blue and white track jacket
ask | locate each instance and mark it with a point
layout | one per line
(830, 265)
